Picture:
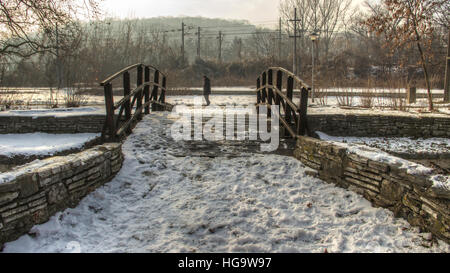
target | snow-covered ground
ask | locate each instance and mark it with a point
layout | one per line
(57, 112)
(397, 144)
(42, 143)
(376, 148)
(159, 202)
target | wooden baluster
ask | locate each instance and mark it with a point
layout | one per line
(147, 89)
(289, 95)
(139, 94)
(127, 103)
(154, 95)
(269, 90)
(279, 87)
(109, 103)
(258, 94)
(302, 112)
(263, 91)
(162, 98)
(270, 83)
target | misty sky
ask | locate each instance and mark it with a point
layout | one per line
(259, 12)
(255, 11)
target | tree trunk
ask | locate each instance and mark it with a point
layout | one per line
(427, 79)
(447, 72)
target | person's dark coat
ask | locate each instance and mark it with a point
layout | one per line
(206, 86)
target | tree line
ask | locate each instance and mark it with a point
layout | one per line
(51, 43)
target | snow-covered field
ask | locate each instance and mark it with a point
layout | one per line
(254, 203)
(42, 143)
(397, 144)
(57, 112)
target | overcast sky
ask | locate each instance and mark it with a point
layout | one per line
(260, 12)
(253, 10)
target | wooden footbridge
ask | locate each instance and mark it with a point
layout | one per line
(274, 87)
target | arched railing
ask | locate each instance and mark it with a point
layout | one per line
(117, 126)
(270, 91)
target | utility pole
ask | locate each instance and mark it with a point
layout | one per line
(294, 63)
(198, 43)
(279, 42)
(182, 39)
(447, 73)
(220, 45)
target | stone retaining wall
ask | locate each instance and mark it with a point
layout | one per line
(32, 193)
(370, 125)
(50, 124)
(409, 196)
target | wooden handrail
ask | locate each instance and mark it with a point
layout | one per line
(128, 68)
(117, 74)
(279, 92)
(116, 126)
(297, 79)
(286, 125)
(270, 92)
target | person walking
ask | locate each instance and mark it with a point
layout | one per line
(206, 89)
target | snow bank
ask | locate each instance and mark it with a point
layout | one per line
(42, 143)
(396, 144)
(57, 112)
(380, 156)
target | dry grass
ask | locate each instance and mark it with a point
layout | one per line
(321, 95)
(345, 98)
(367, 99)
(52, 101)
(9, 100)
(396, 100)
(74, 97)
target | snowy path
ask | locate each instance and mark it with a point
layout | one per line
(253, 203)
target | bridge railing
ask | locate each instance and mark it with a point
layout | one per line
(270, 91)
(121, 124)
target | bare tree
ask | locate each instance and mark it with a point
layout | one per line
(323, 16)
(408, 23)
(23, 23)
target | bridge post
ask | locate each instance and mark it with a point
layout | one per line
(263, 91)
(278, 100)
(302, 117)
(162, 98)
(109, 103)
(258, 94)
(279, 87)
(139, 94)
(126, 92)
(154, 95)
(289, 94)
(147, 89)
(269, 90)
(288, 110)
